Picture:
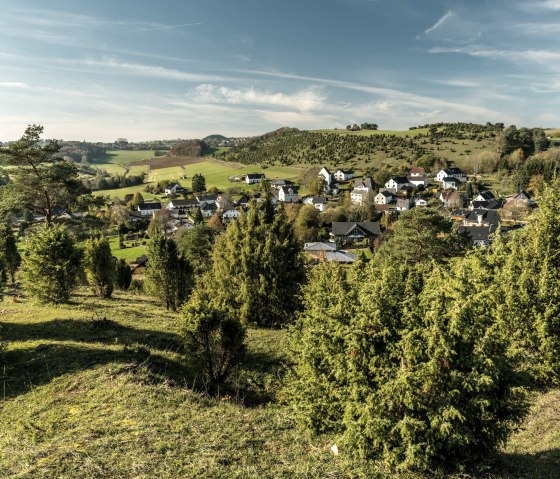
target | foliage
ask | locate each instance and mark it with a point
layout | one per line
(41, 182)
(257, 268)
(51, 264)
(168, 274)
(214, 337)
(9, 252)
(196, 244)
(123, 275)
(198, 183)
(420, 235)
(99, 266)
(407, 370)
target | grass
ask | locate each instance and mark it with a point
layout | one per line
(402, 133)
(99, 389)
(130, 253)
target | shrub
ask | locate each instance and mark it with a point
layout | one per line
(100, 266)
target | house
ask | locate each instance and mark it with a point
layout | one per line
(208, 209)
(174, 189)
(319, 202)
(277, 184)
(451, 173)
(485, 196)
(362, 187)
(482, 218)
(420, 203)
(403, 204)
(343, 175)
(451, 183)
(459, 215)
(327, 176)
(253, 178)
(452, 199)
(243, 201)
(223, 202)
(418, 180)
(288, 194)
(230, 215)
(181, 207)
(320, 252)
(417, 172)
(383, 198)
(148, 209)
(349, 232)
(207, 199)
(521, 199)
(397, 183)
(364, 184)
(486, 205)
(479, 235)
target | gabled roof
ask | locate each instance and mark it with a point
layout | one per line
(401, 180)
(183, 203)
(487, 205)
(318, 247)
(149, 206)
(287, 189)
(281, 182)
(487, 195)
(453, 171)
(208, 206)
(403, 202)
(522, 196)
(315, 200)
(363, 183)
(343, 228)
(346, 172)
(172, 185)
(340, 256)
(488, 216)
(254, 176)
(207, 198)
(417, 170)
(385, 193)
(478, 233)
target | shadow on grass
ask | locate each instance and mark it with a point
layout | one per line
(541, 465)
(91, 331)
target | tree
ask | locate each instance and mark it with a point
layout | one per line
(161, 220)
(100, 266)
(168, 274)
(216, 223)
(41, 182)
(198, 218)
(51, 265)
(198, 183)
(196, 244)
(307, 223)
(123, 275)
(137, 199)
(421, 235)
(214, 337)
(317, 186)
(9, 252)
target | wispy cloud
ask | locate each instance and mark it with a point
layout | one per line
(543, 57)
(539, 6)
(168, 27)
(305, 100)
(449, 14)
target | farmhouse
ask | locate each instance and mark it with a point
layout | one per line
(253, 178)
(277, 184)
(362, 187)
(319, 202)
(417, 172)
(451, 173)
(344, 175)
(383, 198)
(148, 209)
(349, 232)
(174, 189)
(397, 184)
(288, 194)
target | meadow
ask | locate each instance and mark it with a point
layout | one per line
(99, 389)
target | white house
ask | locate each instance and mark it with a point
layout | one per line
(396, 184)
(148, 209)
(485, 196)
(288, 194)
(420, 203)
(326, 175)
(230, 215)
(451, 173)
(416, 172)
(383, 198)
(173, 188)
(208, 209)
(319, 202)
(450, 183)
(418, 180)
(253, 178)
(344, 175)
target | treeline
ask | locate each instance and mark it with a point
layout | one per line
(462, 127)
(293, 147)
(81, 152)
(102, 182)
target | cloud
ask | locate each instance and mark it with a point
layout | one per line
(440, 22)
(168, 27)
(459, 83)
(545, 5)
(305, 100)
(9, 84)
(543, 57)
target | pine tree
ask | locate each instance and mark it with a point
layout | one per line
(99, 266)
(198, 183)
(198, 218)
(9, 252)
(168, 274)
(123, 275)
(51, 265)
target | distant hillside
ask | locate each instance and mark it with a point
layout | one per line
(193, 148)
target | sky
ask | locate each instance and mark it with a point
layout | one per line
(142, 70)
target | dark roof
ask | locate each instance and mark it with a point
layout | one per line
(202, 198)
(488, 216)
(346, 172)
(402, 180)
(487, 195)
(243, 200)
(184, 203)
(487, 205)
(286, 189)
(462, 213)
(318, 200)
(254, 176)
(451, 179)
(343, 228)
(208, 206)
(172, 185)
(453, 171)
(522, 196)
(281, 182)
(385, 193)
(149, 206)
(478, 233)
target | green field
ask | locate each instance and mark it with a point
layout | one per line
(116, 161)
(130, 253)
(85, 398)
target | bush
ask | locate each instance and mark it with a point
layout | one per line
(51, 265)
(100, 266)
(215, 338)
(123, 276)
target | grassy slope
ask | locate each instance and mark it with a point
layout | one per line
(130, 253)
(114, 400)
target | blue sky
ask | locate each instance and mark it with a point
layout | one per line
(184, 69)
